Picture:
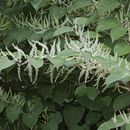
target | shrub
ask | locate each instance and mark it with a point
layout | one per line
(64, 64)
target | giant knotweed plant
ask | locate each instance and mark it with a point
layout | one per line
(64, 64)
(88, 55)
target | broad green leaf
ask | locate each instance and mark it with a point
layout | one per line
(91, 92)
(121, 102)
(18, 35)
(22, 34)
(66, 53)
(110, 124)
(12, 112)
(50, 105)
(60, 94)
(46, 90)
(108, 112)
(37, 35)
(107, 100)
(93, 117)
(107, 23)
(21, 126)
(72, 115)
(77, 127)
(37, 4)
(36, 106)
(116, 75)
(55, 121)
(106, 63)
(57, 12)
(121, 49)
(87, 55)
(62, 30)
(93, 105)
(70, 63)
(78, 4)
(127, 126)
(48, 34)
(92, 18)
(107, 5)
(35, 62)
(44, 127)
(81, 21)
(2, 105)
(92, 34)
(117, 32)
(5, 62)
(30, 119)
(56, 62)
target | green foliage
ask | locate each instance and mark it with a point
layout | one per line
(64, 64)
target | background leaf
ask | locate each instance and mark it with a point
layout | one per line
(121, 49)
(117, 32)
(107, 5)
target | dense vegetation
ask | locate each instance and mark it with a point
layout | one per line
(64, 64)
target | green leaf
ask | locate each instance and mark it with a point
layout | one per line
(44, 127)
(12, 112)
(48, 34)
(117, 32)
(53, 123)
(108, 112)
(77, 127)
(36, 106)
(5, 62)
(70, 63)
(62, 30)
(18, 35)
(72, 115)
(106, 63)
(78, 4)
(127, 126)
(2, 106)
(36, 35)
(92, 34)
(121, 49)
(22, 34)
(121, 102)
(107, 5)
(37, 4)
(57, 12)
(35, 62)
(50, 105)
(61, 57)
(87, 55)
(110, 124)
(60, 94)
(46, 90)
(115, 75)
(30, 119)
(107, 100)
(81, 21)
(107, 23)
(93, 117)
(89, 102)
(21, 126)
(66, 53)
(91, 92)
(56, 62)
